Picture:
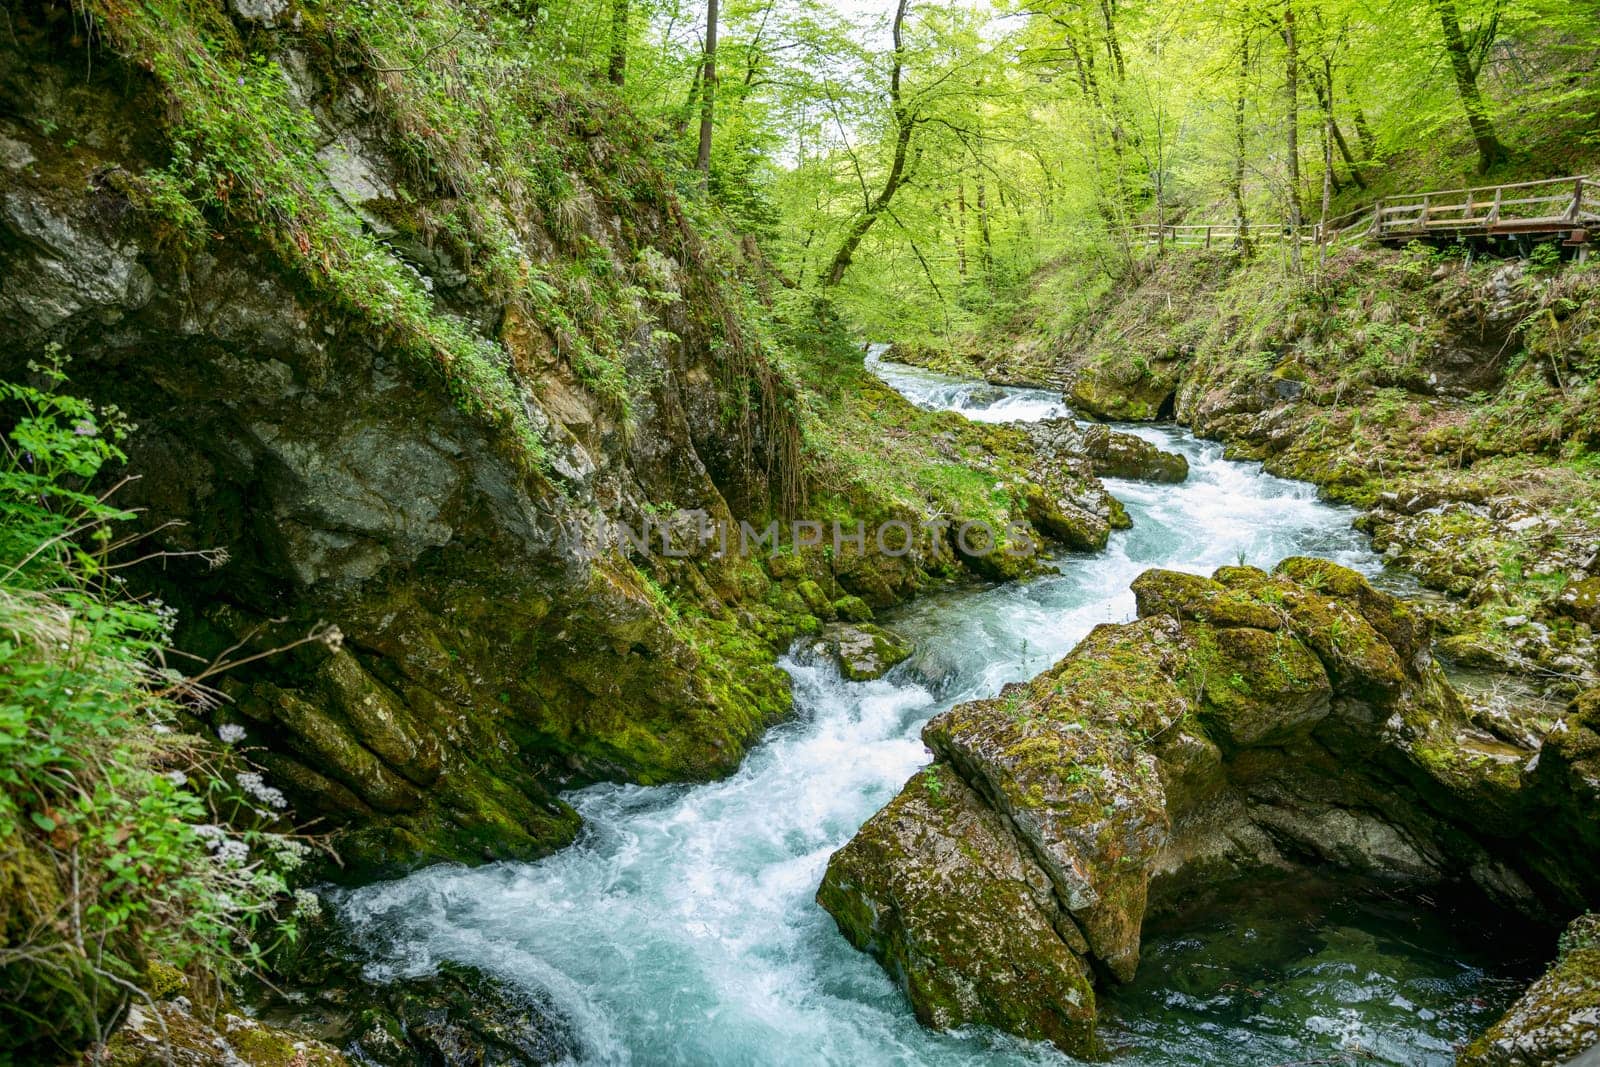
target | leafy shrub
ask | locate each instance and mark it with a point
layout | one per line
(129, 849)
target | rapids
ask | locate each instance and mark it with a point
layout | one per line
(681, 928)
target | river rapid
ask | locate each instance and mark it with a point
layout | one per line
(681, 928)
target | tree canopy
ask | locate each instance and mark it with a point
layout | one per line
(920, 162)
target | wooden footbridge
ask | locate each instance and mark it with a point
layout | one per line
(1568, 208)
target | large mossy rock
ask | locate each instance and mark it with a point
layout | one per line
(863, 651)
(1126, 390)
(939, 890)
(1245, 722)
(1557, 1018)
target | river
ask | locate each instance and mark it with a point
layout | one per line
(681, 928)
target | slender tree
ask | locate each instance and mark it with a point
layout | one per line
(1490, 150)
(904, 125)
(708, 93)
(1291, 88)
(617, 65)
(1240, 103)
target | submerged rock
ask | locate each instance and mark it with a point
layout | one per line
(1245, 722)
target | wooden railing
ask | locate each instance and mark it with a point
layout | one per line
(1552, 206)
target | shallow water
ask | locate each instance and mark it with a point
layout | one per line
(681, 928)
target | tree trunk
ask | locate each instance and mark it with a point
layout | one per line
(903, 125)
(1327, 193)
(708, 93)
(618, 65)
(961, 230)
(1291, 85)
(1241, 218)
(681, 125)
(1490, 150)
(983, 230)
(1324, 90)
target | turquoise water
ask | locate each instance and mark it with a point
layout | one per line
(681, 928)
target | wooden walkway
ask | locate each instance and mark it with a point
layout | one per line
(1568, 208)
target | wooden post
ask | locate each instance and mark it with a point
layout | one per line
(1577, 201)
(1208, 238)
(1427, 207)
(1377, 218)
(1494, 212)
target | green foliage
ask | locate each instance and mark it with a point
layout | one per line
(125, 842)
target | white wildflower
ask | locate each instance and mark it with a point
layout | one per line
(231, 733)
(253, 786)
(307, 905)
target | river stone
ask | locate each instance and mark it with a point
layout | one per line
(1122, 455)
(863, 651)
(940, 892)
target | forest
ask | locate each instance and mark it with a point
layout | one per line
(799, 531)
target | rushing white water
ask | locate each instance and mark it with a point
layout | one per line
(681, 929)
(978, 401)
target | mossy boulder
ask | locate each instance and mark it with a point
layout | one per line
(171, 1034)
(863, 651)
(1260, 687)
(1122, 455)
(1201, 599)
(940, 892)
(1125, 390)
(852, 609)
(1580, 600)
(1557, 1018)
(1245, 723)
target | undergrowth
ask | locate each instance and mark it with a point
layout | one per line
(135, 858)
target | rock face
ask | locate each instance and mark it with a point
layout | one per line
(497, 643)
(1244, 722)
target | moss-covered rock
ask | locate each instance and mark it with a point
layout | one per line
(939, 891)
(1581, 600)
(1117, 390)
(1557, 1018)
(863, 651)
(171, 1034)
(1246, 722)
(1122, 455)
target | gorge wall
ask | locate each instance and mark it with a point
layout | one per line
(401, 339)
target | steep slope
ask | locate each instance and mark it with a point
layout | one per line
(411, 332)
